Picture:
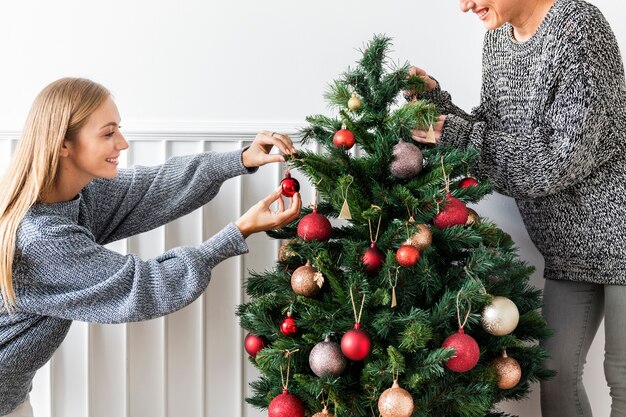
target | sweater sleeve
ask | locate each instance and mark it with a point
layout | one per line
(74, 278)
(142, 198)
(574, 138)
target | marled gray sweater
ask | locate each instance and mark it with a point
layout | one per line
(63, 273)
(551, 131)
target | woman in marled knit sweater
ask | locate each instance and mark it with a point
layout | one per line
(63, 198)
(551, 131)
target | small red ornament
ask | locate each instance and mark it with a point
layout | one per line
(373, 259)
(407, 255)
(344, 138)
(253, 344)
(453, 213)
(356, 344)
(286, 405)
(315, 226)
(466, 352)
(289, 185)
(468, 182)
(288, 327)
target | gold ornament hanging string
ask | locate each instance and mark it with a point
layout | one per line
(345, 209)
(357, 318)
(369, 222)
(458, 309)
(285, 381)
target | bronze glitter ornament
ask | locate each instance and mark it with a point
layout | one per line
(422, 239)
(500, 317)
(307, 280)
(472, 217)
(508, 370)
(395, 402)
(326, 359)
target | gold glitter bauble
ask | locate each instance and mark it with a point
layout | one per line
(395, 402)
(509, 371)
(423, 238)
(472, 217)
(354, 103)
(307, 280)
(324, 413)
(500, 317)
(285, 252)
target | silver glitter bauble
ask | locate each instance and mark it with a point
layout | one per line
(326, 359)
(407, 162)
(395, 402)
(500, 317)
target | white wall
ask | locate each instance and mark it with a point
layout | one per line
(219, 69)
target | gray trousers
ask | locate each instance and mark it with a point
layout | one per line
(575, 310)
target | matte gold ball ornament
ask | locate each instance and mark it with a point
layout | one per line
(307, 280)
(500, 317)
(395, 402)
(509, 371)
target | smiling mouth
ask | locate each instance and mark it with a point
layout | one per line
(113, 160)
(482, 13)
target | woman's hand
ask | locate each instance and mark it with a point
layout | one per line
(420, 135)
(259, 151)
(429, 83)
(260, 217)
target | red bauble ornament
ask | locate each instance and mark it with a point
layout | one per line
(288, 327)
(373, 259)
(286, 405)
(356, 344)
(466, 352)
(407, 255)
(468, 182)
(315, 226)
(344, 139)
(289, 185)
(253, 344)
(453, 213)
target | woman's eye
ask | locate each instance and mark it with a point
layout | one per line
(110, 134)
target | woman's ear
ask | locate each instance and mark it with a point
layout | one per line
(64, 152)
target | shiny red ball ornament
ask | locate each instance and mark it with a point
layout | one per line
(373, 259)
(468, 182)
(253, 344)
(344, 139)
(356, 344)
(466, 352)
(288, 327)
(289, 185)
(407, 255)
(286, 405)
(315, 226)
(453, 213)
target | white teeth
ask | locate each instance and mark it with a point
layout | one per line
(114, 160)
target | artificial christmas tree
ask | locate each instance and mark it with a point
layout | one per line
(461, 268)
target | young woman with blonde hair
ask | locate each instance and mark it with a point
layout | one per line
(63, 198)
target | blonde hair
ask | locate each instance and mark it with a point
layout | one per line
(57, 114)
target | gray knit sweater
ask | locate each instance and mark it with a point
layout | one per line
(63, 273)
(551, 131)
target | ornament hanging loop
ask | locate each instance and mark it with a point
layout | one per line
(373, 238)
(458, 310)
(357, 318)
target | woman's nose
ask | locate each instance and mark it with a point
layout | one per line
(122, 143)
(466, 5)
